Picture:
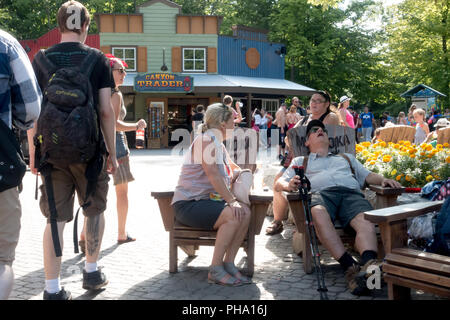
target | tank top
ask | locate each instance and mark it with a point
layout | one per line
(193, 183)
(349, 119)
(420, 135)
(121, 139)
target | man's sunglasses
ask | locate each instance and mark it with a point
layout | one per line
(315, 129)
(121, 70)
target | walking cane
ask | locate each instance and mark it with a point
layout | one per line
(304, 187)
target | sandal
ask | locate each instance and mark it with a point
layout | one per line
(82, 244)
(218, 275)
(275, 228)
(128, 239)
(231, 269)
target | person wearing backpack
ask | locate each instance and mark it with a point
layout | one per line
(20, 104)
(74, 128)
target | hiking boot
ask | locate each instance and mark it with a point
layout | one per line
(61, 295)
(356, 281)
(94, 280)
(371, 263)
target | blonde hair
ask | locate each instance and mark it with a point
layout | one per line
(215, 115)
(420, 111)
(401, 114)
(293, 109)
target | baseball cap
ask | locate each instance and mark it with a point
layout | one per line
(442, 122)
(344, 98)
(314, 123)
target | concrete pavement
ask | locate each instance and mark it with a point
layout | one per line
(139, 270)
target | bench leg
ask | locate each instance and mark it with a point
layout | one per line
(396, 292)
(173, 254)
(394, 235)
(251, 253)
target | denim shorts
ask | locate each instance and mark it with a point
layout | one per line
(341, 203)
(201, 214)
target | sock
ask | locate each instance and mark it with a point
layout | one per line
(90, 267)
(346, 261)
(368, 255)
(52, 286)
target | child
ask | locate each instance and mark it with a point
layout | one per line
(422, 129)
(401, 120)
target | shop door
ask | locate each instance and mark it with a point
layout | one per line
(157, 124)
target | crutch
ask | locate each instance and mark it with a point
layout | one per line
(304, 187)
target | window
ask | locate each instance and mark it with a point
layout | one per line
(128, 55)
(194, 59)
(270, 106)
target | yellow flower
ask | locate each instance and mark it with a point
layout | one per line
(446, 145)
(429, 147)
(398, 177)
(383, 144)
(423, 153)
(412, 151)
(412, 156)
(408, 178)
(429, 178)
(430, 156)
(359, 148)
(365, 144)
(393, 172)
(372, 162)
(439, 146)
(447, 160)
(407, 143)
(387, 158)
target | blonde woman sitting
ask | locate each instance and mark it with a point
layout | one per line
(203, 197)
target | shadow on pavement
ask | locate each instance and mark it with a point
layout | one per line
(69, 268)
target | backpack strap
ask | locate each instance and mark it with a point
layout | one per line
(47, 174)
(305, 118)
(305, 162)
(343, 155)
(45, 64)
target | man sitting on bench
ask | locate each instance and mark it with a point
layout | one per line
(336, 183)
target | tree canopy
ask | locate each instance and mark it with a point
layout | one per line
(328, 44)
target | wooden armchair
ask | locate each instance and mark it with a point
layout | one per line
(189, 239)
(342, 139)
(406, 268)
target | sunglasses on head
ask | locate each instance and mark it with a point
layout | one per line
(121, 70)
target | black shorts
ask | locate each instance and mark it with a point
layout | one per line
(341, 203)
(201, 214)
(282, 136)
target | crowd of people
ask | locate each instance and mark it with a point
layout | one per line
(204, 196)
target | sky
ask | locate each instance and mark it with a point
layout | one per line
(373, 24)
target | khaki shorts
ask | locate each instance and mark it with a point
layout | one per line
(10, 213)
(65, 182)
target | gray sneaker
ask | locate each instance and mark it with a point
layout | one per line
(94, 280)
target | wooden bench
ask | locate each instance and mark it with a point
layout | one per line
(189, 239)
(406, 268)
(397, 133)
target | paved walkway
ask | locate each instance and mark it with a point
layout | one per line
(139, 270)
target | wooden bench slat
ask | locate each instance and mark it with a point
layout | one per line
(420, 264)
(402, 212)
(416, 275)
(422, 255)
(444, 292)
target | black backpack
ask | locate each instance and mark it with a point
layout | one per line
(67, 128)
(12, 165)
(441, 241)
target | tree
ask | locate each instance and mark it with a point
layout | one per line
(416, 44)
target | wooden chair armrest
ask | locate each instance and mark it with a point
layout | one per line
(402, 212)
(259, 195)
(384, 191)
(162, 194)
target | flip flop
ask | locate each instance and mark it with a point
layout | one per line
(128, 239)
